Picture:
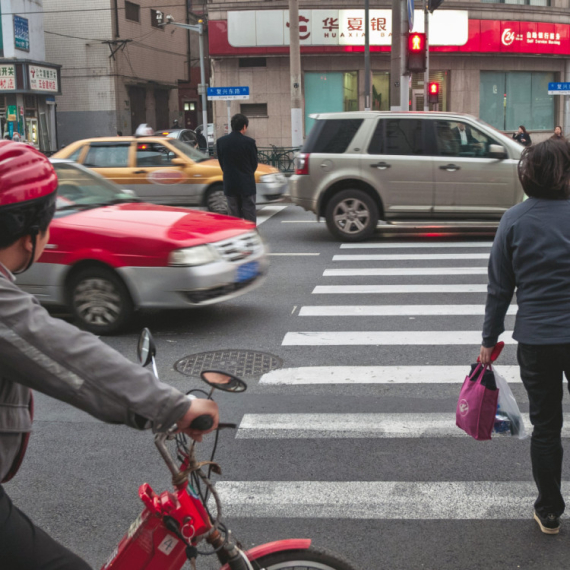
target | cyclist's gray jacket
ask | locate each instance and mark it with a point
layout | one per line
(55, 358)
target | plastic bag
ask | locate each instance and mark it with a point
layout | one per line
(508, 417)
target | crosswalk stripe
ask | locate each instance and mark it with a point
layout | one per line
(268, 211)
(422, 245)
(351, 289)
(391, 338)
(355, 272)
(395, 310)
(339, 426)
(328, 375)
(411, 257)
(388, 500)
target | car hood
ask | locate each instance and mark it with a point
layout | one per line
(181, 227)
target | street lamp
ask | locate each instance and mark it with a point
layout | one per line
(202, 88)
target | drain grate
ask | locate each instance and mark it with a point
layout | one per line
(242, 363)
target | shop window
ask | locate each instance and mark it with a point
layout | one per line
(330, 93)
(252, 62)
(522, 2)
(381, 91)
(510, 99)
(154, 21)
(132, 12)
(254, 109)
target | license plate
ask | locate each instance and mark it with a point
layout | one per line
(247, 271)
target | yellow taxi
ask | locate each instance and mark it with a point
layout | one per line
(166, 171)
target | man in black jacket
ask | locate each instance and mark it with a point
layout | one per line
(238, 159)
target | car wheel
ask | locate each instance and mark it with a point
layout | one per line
(352, 215)
(216, 200)
(100, 300)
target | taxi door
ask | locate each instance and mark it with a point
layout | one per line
(158, 174)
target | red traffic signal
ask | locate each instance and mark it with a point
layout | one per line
(433, 92)
(416, 52)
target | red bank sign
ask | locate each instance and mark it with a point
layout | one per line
(484, 36)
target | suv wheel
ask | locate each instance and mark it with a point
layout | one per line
(352, 215)
(216, 200)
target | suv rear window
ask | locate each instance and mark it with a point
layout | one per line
(331, 136)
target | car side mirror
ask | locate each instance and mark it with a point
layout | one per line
(178, 162)
(146, 349)
(128, 192)
(497, 151)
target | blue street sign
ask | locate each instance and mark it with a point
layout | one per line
(21, 33)
(559, 88)
(227, 93)
(411, 14)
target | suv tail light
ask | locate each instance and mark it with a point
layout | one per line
(302, 163)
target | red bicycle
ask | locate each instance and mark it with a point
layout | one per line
(173, 524)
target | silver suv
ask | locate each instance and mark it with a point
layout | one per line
(361, 167)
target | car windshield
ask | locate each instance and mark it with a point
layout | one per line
(80, 189)
(187, 150)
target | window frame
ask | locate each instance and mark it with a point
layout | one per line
(153, 21)
(154, 143)
(248, 114)
(425, 136)
(87, 150)
(133, 6)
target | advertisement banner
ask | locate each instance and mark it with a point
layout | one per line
(7, 77)
(21, 33)
(43, 79)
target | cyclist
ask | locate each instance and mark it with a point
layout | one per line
(53, 357)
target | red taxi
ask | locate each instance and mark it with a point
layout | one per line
(110, 254)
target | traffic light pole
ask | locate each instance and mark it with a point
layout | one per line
(395, 57)
(426, 73)
(367, 55)
(404, 77)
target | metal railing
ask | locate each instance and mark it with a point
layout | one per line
(281, 157)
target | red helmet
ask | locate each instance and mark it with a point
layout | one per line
(25, 174)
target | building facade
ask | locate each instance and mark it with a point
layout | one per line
(492, 59)
(121, 68)
(28, 83)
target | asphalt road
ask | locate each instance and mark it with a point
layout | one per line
(360, 454)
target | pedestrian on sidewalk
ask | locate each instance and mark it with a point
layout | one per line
(531, 253)
(558, 136)
(237, 155)
(522, 137)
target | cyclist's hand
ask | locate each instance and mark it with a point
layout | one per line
(198, 408)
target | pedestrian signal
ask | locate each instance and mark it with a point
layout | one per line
(416, 52)
(433, 95)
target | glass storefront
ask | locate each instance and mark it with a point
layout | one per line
(329, 93)
(381, 91)
(510, 99)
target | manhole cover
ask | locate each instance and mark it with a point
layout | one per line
(242, 363)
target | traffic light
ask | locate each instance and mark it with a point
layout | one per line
(434, 4)
(433, 92)
(416, 52)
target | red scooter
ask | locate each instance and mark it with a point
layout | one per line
(174, 524)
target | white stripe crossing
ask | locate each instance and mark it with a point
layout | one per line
(328, 375)
(422, 245)
(387, 338)
(352, 289)
(342, 426)
(395, 310)
(411, 257)
(404, 500)
(388, 271)
(268, 211)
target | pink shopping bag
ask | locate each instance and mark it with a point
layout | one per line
(477, 406)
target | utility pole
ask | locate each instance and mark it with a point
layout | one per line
(367, 55)
(295, 63)
(395, 55)
(404, 77)
(426, 73)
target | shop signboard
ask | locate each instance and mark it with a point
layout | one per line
(21, 33)
(7, 77)
(559, 88)
(43, 79)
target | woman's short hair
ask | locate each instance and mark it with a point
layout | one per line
(522, 127)
(544, 170)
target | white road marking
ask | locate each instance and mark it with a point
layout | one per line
(352, 289)
(388, 338)
(268, 211)
(404, 500)
(327, 375)
(342, 426)
(405, 271)
(294, 254)
(422, 245)
(410, 257)
(395, 310)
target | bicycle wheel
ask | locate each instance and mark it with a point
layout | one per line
(310, 559)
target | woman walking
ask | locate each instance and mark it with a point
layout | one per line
(522, 137)
(531, 253)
